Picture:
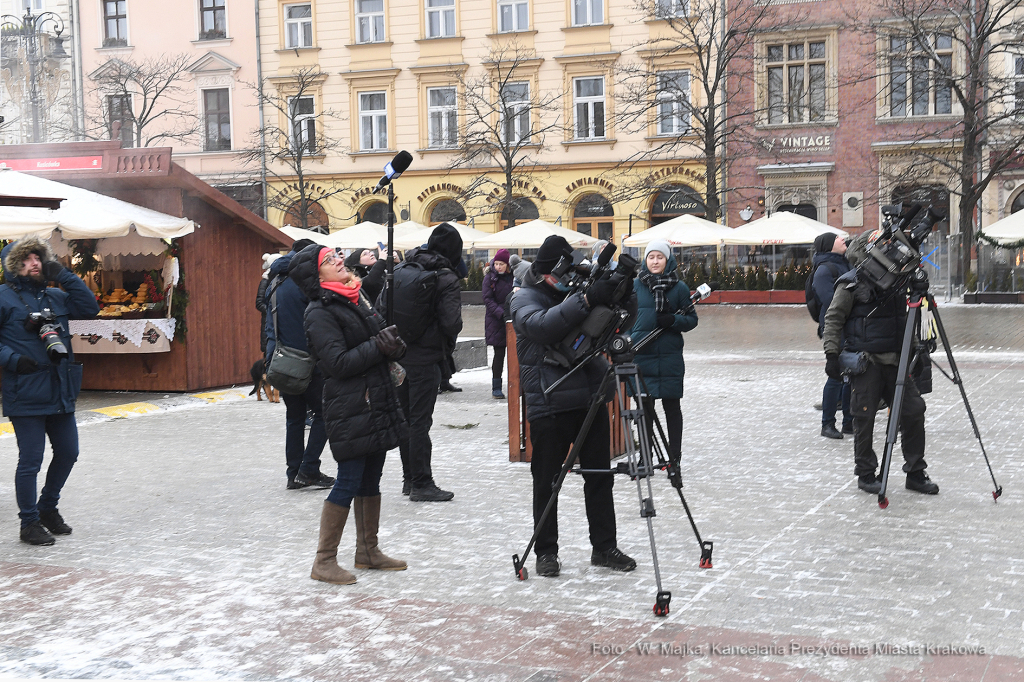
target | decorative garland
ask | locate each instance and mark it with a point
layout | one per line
(179, 302)
(1019, 244)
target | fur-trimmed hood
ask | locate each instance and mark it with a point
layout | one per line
(14, 254)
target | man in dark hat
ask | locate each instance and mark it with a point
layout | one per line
(428, 313)
(830, 264)
(543, 314)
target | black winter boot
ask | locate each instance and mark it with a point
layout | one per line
(918, 481)
(35, 534)
(869, 484)
(54, 523)
(613, 559)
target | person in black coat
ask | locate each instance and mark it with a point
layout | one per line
(437, 323)
(542, 316)
(364, 420)
(829, 265)
(496, 288)
(370, 270)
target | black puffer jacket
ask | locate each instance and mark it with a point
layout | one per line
(541, 319)
(361, 408)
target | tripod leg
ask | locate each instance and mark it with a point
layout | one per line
(596, 404)
(897, 403)
(956, 379)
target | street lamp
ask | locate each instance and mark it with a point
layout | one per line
(25, 41)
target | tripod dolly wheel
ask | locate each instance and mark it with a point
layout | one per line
(883, 501)
(661, 604)
(520, 569)
(706, 548)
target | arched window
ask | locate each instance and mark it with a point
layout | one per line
(1018, 203)
(376, 212)
(935, 196)
(316, 216)
(806, 210)
(447, 211)
(588, 213)
(519, 210)
(676, 200)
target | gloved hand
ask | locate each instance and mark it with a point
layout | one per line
(832, 366)
(26, 365)
(389, 343)
(601, 292)
(666, 320)
(52, 270)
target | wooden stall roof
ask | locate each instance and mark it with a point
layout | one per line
(106, 166)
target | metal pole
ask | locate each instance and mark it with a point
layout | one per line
(263, 121)
(28, 30)
(390, 276)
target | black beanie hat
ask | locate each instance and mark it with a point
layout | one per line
(824, 242)
(353, 258)
(301, 244)
(446, 241)
(550, 252)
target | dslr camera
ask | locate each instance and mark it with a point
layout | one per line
(893, 249)
(45, 324)
(597, 331)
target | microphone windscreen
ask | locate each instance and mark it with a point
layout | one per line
(606, 254)
(401, 162)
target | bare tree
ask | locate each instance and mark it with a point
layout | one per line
(694, 56)
(964, 58)
(145, 102)
(290, 143)
(506, 123)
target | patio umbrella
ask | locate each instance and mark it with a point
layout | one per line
(531, 235)
(364, 235)
(470, 236)
(684, 230)
(297, 233)
(1006, 231)
(781, 227)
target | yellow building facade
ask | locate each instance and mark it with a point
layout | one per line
(393, 75)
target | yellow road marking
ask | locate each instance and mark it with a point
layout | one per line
(127, 410)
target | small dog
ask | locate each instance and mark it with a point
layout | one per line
(259, 383)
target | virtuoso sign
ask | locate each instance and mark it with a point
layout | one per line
(792, 144)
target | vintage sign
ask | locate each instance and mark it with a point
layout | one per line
(794, 144)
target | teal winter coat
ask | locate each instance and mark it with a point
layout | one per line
(661, 361)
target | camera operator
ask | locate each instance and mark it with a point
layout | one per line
(41, 379)
(871, 321)
(543, 314)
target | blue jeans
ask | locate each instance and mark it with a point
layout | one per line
(31, 433)
(299, 454)
(358, 477)
(835, 390)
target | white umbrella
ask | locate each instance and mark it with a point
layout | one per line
(470, 236)
(531, 235)
(781, 227)
(364, 235)
(684, 230)
(82, 214)
(1008, 230)
(297, 233)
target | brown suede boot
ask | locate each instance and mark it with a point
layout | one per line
(325, 567)
(367, 521)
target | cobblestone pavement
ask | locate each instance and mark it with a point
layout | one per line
(190, 560)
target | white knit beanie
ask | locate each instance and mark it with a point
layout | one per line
(659, 245)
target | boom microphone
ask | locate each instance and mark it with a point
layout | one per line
(394, 169)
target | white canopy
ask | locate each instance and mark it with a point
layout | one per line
(364, 235)
(781, 227)
(298, 233)
(684, 230)
(82, 215)
(1008, 230)
(470, 236)
(531, 235)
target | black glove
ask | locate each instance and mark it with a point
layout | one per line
(52, 270)
(26, 365)
(832, 366)
(389, 343)
(601, 292)
(666, 320)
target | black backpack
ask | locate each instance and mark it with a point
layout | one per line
(813, 304)
(415, 287)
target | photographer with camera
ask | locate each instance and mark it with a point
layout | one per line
(543, 314)
(867, 320)
(41, 381)
(663, 302)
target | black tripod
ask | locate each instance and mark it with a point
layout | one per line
(639, 463)
(911, 347)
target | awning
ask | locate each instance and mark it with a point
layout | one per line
(531, 235)
(684, 230)
(82, 214)
(781, 227)
(1009, 230)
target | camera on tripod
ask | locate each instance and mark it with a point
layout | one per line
(45, 324)
(597, 331)
(893, 249)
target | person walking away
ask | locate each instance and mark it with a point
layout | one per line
(497, 286)
(830, 264)
(302, 456)
(543, 314)
(428, 313)
(663, 302)
(862, 319)
(353, 349)
(41, 378)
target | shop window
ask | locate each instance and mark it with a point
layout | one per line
(519, 210)
(447, 211)
(214, 20)
(676, 200)
(587, 217)
(376, 212)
